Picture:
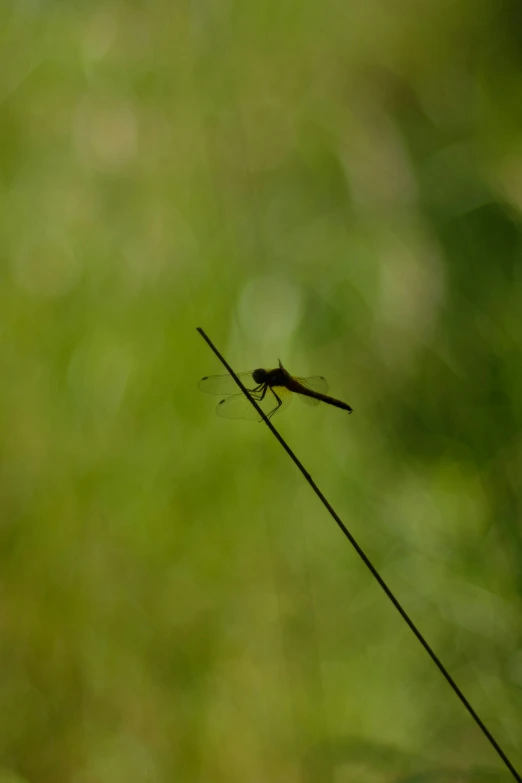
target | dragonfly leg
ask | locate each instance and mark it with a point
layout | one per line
(279, 403)
(265, 387)
(261, 391)
(262, 395)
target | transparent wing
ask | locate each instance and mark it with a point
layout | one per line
(225, 384)
(239, 407)
(308, 400)
(314, 383)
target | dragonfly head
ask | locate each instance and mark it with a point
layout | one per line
(259, 375)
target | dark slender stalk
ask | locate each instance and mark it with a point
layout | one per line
(370, 566)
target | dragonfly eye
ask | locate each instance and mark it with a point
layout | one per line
(259, 376)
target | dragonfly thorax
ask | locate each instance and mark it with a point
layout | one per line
(260, 376)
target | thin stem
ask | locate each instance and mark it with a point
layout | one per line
(447, 676)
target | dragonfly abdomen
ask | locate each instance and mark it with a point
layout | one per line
(297, 387)
(334, 401)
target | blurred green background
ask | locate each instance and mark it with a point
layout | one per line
(335, 184)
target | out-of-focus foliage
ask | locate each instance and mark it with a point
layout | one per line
(338, 184)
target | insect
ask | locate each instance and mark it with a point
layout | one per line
(271, 389)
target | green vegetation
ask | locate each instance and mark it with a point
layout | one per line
(335, 184)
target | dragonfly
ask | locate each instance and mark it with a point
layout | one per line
(273, 391)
